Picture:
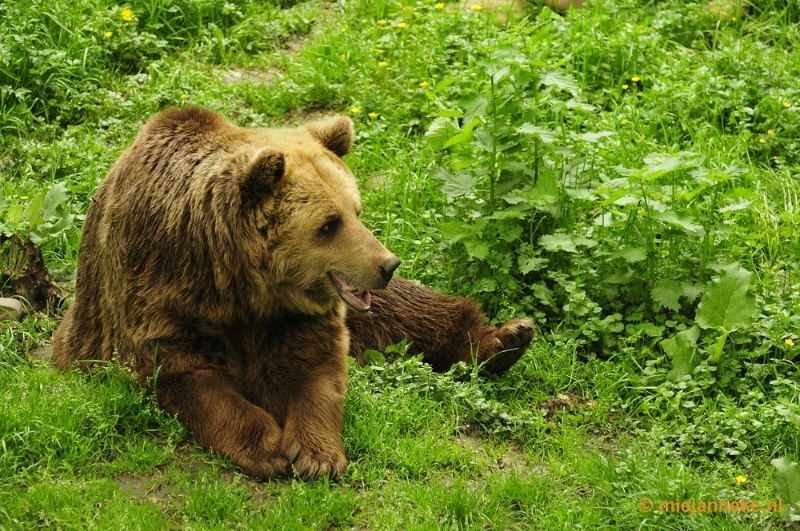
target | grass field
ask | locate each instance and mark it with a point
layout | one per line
(628, 176)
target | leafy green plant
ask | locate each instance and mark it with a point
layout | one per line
(44, 219)
(787, 484)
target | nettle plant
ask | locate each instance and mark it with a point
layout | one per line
(503, 186)
(590, 249)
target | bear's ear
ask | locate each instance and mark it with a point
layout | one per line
(263, 173)
(336, 134)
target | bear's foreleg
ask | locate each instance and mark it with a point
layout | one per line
(312, 434)
(445, 329)
(209, 403)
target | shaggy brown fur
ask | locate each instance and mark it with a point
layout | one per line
(217, 261)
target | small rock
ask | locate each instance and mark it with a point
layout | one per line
(11, 309)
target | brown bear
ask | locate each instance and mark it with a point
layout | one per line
(228, 266)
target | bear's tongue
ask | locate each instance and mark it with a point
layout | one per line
(356, 298)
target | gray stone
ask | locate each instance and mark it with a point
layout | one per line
(11, 309)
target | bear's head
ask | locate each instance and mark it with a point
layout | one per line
(307, 243)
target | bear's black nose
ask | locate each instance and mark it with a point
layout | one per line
(388, 267)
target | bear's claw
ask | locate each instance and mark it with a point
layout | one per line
(513, 338)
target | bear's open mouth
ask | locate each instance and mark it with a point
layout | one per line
(357, 299)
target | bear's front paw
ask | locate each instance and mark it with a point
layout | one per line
(311, 462)
(265, 460)
(511, 341)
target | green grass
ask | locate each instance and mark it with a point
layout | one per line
(692, 168)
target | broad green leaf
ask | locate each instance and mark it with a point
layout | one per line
(509, 232)
(658, 164)
(594, 137)
(631, 254)
(740, 205)
(575, 104)
(558, 242)
(477, 248)
(462, 137)
(666, 294)
(453, 230)
(726, 303)
(649, 329)
(474, 107)
(620, 277)
(684, 221)
(683, 350)
(515, 166)
(484, 285)
(459, 184)
(441, 85)
(34, 208)
(580, 193)
(546, 135)
(374, 357)
(528, 264)
(512, 212)
(562, 81)
(16, 214)
(787, 485)
(484, 140)
(692, 291)
(440, 131)
(47, 232)
(56, 195)
(583, 241)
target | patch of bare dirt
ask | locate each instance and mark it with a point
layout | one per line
(565, 402)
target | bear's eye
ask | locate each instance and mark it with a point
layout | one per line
(331, 226)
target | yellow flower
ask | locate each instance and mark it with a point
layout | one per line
(344, 30)
(373, 115)
(108, 34)
(355, 110)
(401, 25)
(127, 14)
(762, 140)
(640, 211)
(184, 96)
(624, 87)
(439, 6)
(383, 64)
(424, 84)
(477, 7)
(740, 479)
(733, 19)
(24, 197)
(624, 121)
(381, 22)
(770, 131)
(789, 342)
(786, 104)
(636, 79)
(640, 139)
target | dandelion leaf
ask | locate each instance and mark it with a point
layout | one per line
(787, 485)
(726, 303)
(683, 350)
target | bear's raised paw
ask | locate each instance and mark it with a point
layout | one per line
(510, 342)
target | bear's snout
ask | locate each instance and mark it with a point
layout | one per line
(388, 266)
